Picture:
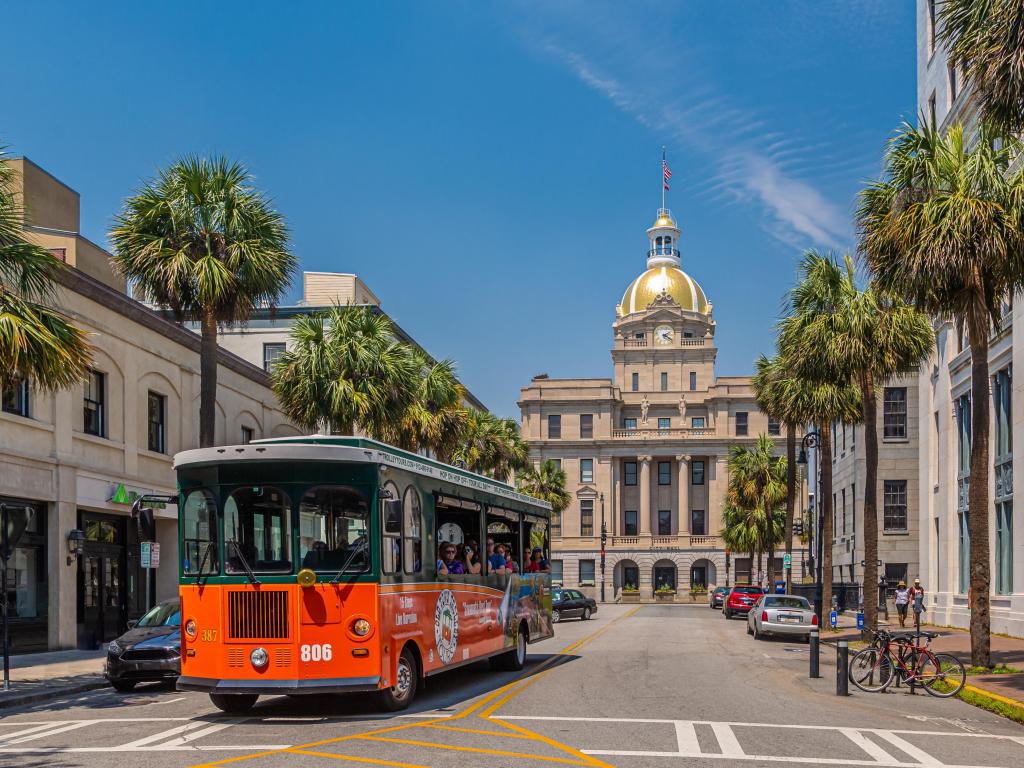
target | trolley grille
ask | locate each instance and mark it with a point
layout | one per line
(257, 615)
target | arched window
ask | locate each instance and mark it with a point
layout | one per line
(334, 525)
(412, 553)
(391, 516)
(257, 530)
(657, 241)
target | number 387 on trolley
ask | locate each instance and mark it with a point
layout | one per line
(338, 565)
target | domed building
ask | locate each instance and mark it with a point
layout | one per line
(645, 451)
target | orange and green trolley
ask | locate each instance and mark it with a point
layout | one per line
(310, 565)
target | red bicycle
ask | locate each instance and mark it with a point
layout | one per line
(902, 657)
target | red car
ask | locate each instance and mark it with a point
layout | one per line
(739, 601)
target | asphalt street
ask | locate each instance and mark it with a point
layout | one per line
(636, 686)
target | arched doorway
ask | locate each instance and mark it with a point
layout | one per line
(703, 573)
(626, 574)
(664, 574)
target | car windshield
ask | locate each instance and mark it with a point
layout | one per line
(748, 590)
(164, 615)
(786, 602)
(556, 595)
(721, 590)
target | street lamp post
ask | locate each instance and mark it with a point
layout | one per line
(604, 541)
(812, 440)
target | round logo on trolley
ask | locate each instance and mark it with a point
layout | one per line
(446, 625)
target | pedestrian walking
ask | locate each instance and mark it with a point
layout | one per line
(902, 596)
(917, 601)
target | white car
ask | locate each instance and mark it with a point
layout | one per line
(789, 615)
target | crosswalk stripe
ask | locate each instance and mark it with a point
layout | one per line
(862, 741)
(162, 736)
(686, 737)
(44, 734)
(726, 739)
(918, 754)
(193, 735)
(44, 727)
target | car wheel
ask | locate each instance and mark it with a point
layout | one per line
(757, 635)
(123, 686)
(234, 703)
(400, 695)
(749, 630)
(514, 660)
(725, 612)
(586, 614)
(556, 616)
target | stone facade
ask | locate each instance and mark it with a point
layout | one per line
(645, 451)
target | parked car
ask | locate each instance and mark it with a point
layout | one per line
(149, 651)
(571, 604)
(740, 599)
(717, 598)
(781, 615)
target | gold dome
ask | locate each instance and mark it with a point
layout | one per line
(664, 220)
(680, 286)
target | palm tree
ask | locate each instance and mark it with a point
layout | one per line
(435, 419)
(985, 40)
(547, 483)
(742, 528)
(202, 241)
(37, 343)
(344, 370)
(945, 230)
(757, 481)
(861, 335)
(492, 446)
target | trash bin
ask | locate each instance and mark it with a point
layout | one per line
(780, 587)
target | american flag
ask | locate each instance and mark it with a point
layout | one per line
(666, 174)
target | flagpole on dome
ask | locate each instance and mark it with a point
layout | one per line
(664, 184)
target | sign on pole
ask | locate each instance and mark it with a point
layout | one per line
(860, 621)
(787, 560)
(154, 555)
(833, 619)
(147, 554)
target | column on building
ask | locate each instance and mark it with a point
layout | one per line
(645, 495)
(615, 498)
(684, 494)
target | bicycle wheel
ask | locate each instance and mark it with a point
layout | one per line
(947, 675)
(871, 670)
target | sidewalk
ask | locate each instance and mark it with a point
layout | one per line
(40, 676)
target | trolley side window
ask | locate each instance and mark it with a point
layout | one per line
(199, 534)
(412, 552)
(391, 528)
(333, 524)
(458, 539)
(257, 530)
(536, 534)
(503, 532)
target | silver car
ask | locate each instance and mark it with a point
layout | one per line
(781, 615)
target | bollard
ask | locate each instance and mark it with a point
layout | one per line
(814, 647)
(843, 669)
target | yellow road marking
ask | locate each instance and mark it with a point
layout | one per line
(475, 750)
(478, 730)
(996, 696)
(368, 760)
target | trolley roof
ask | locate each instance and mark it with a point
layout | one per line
(350, 449)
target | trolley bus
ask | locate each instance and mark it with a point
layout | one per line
(312, 565)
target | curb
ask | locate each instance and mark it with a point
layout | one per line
(21, 700)
(998, 697)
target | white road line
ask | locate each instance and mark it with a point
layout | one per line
(918, 754)
(766, 758)
(112, 750)
(726, 739)
(686, 737)
(44, 734)
(23, 731)
(162, 736)
(867, 745)
(101, 720)
(193, 735)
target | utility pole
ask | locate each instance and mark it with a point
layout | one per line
(604, 542)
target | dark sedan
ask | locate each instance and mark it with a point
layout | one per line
(149, 651)
(571, 604)
(717, 598)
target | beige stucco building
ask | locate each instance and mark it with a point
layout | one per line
(77, 459)
(645, 451)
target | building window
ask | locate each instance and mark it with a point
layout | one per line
(1001, 395)
(157, 407)
(271, 352)
(693, 380)
(27, 577)
(741, 423)
(698, 523)
(697, 472)
(895, 513)
(635, 382)
(895, 573)
(556, 525)
(697, 422)
(586, 470)
(774, 428)
(586, 425)
(586, 573)
(14, 398)
(629, 469)
(963, 418)
(894, 410)
(664, 473)
(554, 427)
(844, 511)
(556, 572)
(951, 73)
(94, 403)
(664, 423)
(964, 554)
(586, 517)
(629, 423)
(247, 435)
(931, 28)
(630, 520)
(931, 109)
(1004, 548)
(664, 522)
(664, 382)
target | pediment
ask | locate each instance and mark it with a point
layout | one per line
(586, 492)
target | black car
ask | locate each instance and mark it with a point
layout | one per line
(717, 598)
(571, 604)
(149, 651)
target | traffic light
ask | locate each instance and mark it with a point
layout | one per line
(798, 527)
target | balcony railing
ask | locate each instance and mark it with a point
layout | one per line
(635, 342)
(677, 541)
(663, 250)
(677, 433)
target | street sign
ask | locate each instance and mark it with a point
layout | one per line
(150, 554)
(787, 560)
(879, 563)
(860, 621)
(833, 619)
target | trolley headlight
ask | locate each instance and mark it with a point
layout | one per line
(307, 577)
(190, 629)
(259, 658)
(361, 627)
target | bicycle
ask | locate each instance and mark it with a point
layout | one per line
(874, 668)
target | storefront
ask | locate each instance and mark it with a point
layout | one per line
(27, 579)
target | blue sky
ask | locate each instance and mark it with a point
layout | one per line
(489, 168)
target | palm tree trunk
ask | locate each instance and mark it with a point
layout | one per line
(208, 380)
(825, 504)
(790, 497)
(978, 501)
(760, 563)
(769, 545)
(869, 587)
